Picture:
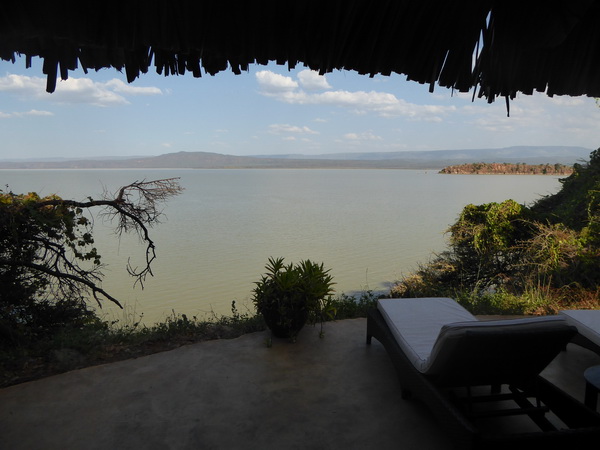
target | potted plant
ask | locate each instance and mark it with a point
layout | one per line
(289, 295)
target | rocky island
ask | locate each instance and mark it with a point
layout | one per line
(508, 169)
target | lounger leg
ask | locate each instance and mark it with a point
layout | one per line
(592, 386)
(591, 396)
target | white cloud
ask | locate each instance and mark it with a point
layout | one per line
(32, 112)
(74, 90)
(537, 119)
(21, 83)
(272, 83)
(84, 90)
(127, 89)
(564, 100)
(36, 112)
(366, 136)
(285, 128)
(384, 104)
(312, 81)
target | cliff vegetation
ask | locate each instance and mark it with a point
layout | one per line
(482, 168)
(516, 259)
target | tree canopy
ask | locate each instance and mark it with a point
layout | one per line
(48, 260)
(551, 247)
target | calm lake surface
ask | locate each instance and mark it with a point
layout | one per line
(369, 226)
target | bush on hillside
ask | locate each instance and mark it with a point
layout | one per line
(551, 248)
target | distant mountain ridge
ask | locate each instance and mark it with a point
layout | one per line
(432, 159)
(505, 154)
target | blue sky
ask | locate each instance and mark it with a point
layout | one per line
(269, 110)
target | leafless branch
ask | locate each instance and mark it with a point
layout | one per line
(135, 207)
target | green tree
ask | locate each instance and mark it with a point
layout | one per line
(49, 265)
(577, 204)
(482, 242)
(552, 247)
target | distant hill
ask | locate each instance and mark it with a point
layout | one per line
(435, 160)
(517, 154)
(200, 160)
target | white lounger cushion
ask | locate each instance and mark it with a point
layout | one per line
(586, 321)
(417, 322)
(428, 329)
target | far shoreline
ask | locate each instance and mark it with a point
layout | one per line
(481, 168)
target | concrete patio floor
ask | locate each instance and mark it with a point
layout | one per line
(331, 393)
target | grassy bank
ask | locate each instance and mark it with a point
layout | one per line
(99, 342)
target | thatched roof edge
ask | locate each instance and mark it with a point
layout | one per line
(522, 46)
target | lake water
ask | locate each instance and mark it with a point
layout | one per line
(368, 226)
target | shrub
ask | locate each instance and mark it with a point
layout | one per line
(518, 259)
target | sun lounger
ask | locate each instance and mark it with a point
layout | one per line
(444, 355)
(587, 323)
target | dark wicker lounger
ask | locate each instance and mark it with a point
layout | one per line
(510, 364)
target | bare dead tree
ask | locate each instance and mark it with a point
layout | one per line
(50, 239)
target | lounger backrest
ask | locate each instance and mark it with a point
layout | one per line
(500, 351)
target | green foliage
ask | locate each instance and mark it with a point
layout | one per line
(96, 341)
(488, 228)
(39, 237)
(441, 277)
(349, 307)
(482, 242)
(510, 257)
(288, 295)
(577, 205)
(534, 300)
(49, 266)
(509, 168)
(25, 228)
